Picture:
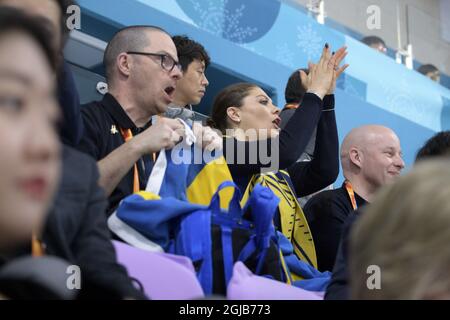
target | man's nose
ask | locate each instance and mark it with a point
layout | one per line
(176, 73)
(205, 81)
(276, 110)
(399, 162)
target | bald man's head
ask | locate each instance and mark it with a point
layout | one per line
(132, 38)
(371, 153)
(142, 68)
(363, 137)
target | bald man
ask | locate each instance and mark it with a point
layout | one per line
(371, 157)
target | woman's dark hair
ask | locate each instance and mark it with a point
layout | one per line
(12, 19)
(295, 91)
(188, 50)
(231, 96)
(437, 145)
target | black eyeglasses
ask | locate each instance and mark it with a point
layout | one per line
(167, 62)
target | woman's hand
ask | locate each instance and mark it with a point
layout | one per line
(322, 76)
(340, 55)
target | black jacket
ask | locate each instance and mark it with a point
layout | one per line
(72, 126)
(326, 213)
(338, 289)
(101, 136)
(76, 230)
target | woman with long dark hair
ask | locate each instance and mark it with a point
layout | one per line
(257, 150)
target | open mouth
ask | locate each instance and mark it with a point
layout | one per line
(277, 123)
(169, 90)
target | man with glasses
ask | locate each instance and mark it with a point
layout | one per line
(142, 71)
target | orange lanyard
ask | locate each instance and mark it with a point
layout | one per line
(291, 106)
(351, 194)
(127, 136)
(36, 246)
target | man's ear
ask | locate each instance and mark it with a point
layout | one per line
(234, 114)
(356, 156)
(123, 64)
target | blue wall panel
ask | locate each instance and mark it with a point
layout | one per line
(265, 40)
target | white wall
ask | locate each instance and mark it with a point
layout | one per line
(426, 29)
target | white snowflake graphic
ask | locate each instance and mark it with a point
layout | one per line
(347, 84)
(251, 48)
(400, 100)
(285, 55)
(217, 19)
(309, 41)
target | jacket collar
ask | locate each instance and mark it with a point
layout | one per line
(116, 111)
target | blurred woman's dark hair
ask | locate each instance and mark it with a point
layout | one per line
(231, 96)
(437, 145)
(15, 20)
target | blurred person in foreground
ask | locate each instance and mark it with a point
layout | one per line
(75, 229)
(30, 161)
(405, 233)
(53, 15)
(438, 145)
